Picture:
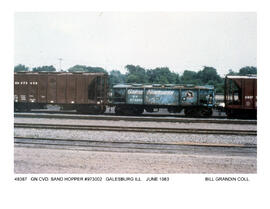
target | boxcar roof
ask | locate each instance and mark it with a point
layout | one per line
(241, 76)
(65, 73)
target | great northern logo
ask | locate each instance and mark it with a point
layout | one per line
(189, 94)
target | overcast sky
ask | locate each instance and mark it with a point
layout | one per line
(178, 40)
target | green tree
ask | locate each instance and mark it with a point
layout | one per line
(116, 77)
(220, 87)
(136, 74)
(176, 78)
(208, 74)
(248, 70)
(133, 79)
(231, 72)
(44, 68)
(77, 68)
(96, 70)
(89, 69)
(162, 75)
(189, 77)
(20, 68)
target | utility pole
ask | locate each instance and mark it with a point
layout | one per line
(60, 62)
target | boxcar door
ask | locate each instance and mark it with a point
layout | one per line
(61, 88)
(42, 88)
(81, 89)
(92, 89)
(51, 90)
(32, 88)
(71, 89)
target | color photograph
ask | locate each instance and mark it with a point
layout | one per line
(135, 92)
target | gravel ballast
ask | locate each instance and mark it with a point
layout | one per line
(34, 160)
(44, 160)
(133, 136)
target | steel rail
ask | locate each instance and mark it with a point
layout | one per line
(137, 129)
(134, 118)
(181, 147)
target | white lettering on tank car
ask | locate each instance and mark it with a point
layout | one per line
(159, 92)
(135, 91)
(189, 94)
(135, 100)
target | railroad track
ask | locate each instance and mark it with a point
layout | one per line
(134, 118)
(133, 146)
(112, 113)
(136, 129)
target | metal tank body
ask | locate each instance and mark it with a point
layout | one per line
(161, 97)
(134, 99)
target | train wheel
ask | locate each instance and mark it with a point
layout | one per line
(137, 110)
(174, 109)
(205, 112)
(118, 110)
(130, 111)
(190, 112)
(90, 109)
(149, 109)
(102, 110)
(22, 107)
(209, 113)
(230, 114)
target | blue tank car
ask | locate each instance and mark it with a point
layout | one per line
(196, 101)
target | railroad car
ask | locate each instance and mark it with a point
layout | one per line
(85, 92)
(134, 99)
(240, 96)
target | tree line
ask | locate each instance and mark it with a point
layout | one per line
(160, 75)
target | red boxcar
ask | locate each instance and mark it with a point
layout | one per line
(85, 92)
(240, 95)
